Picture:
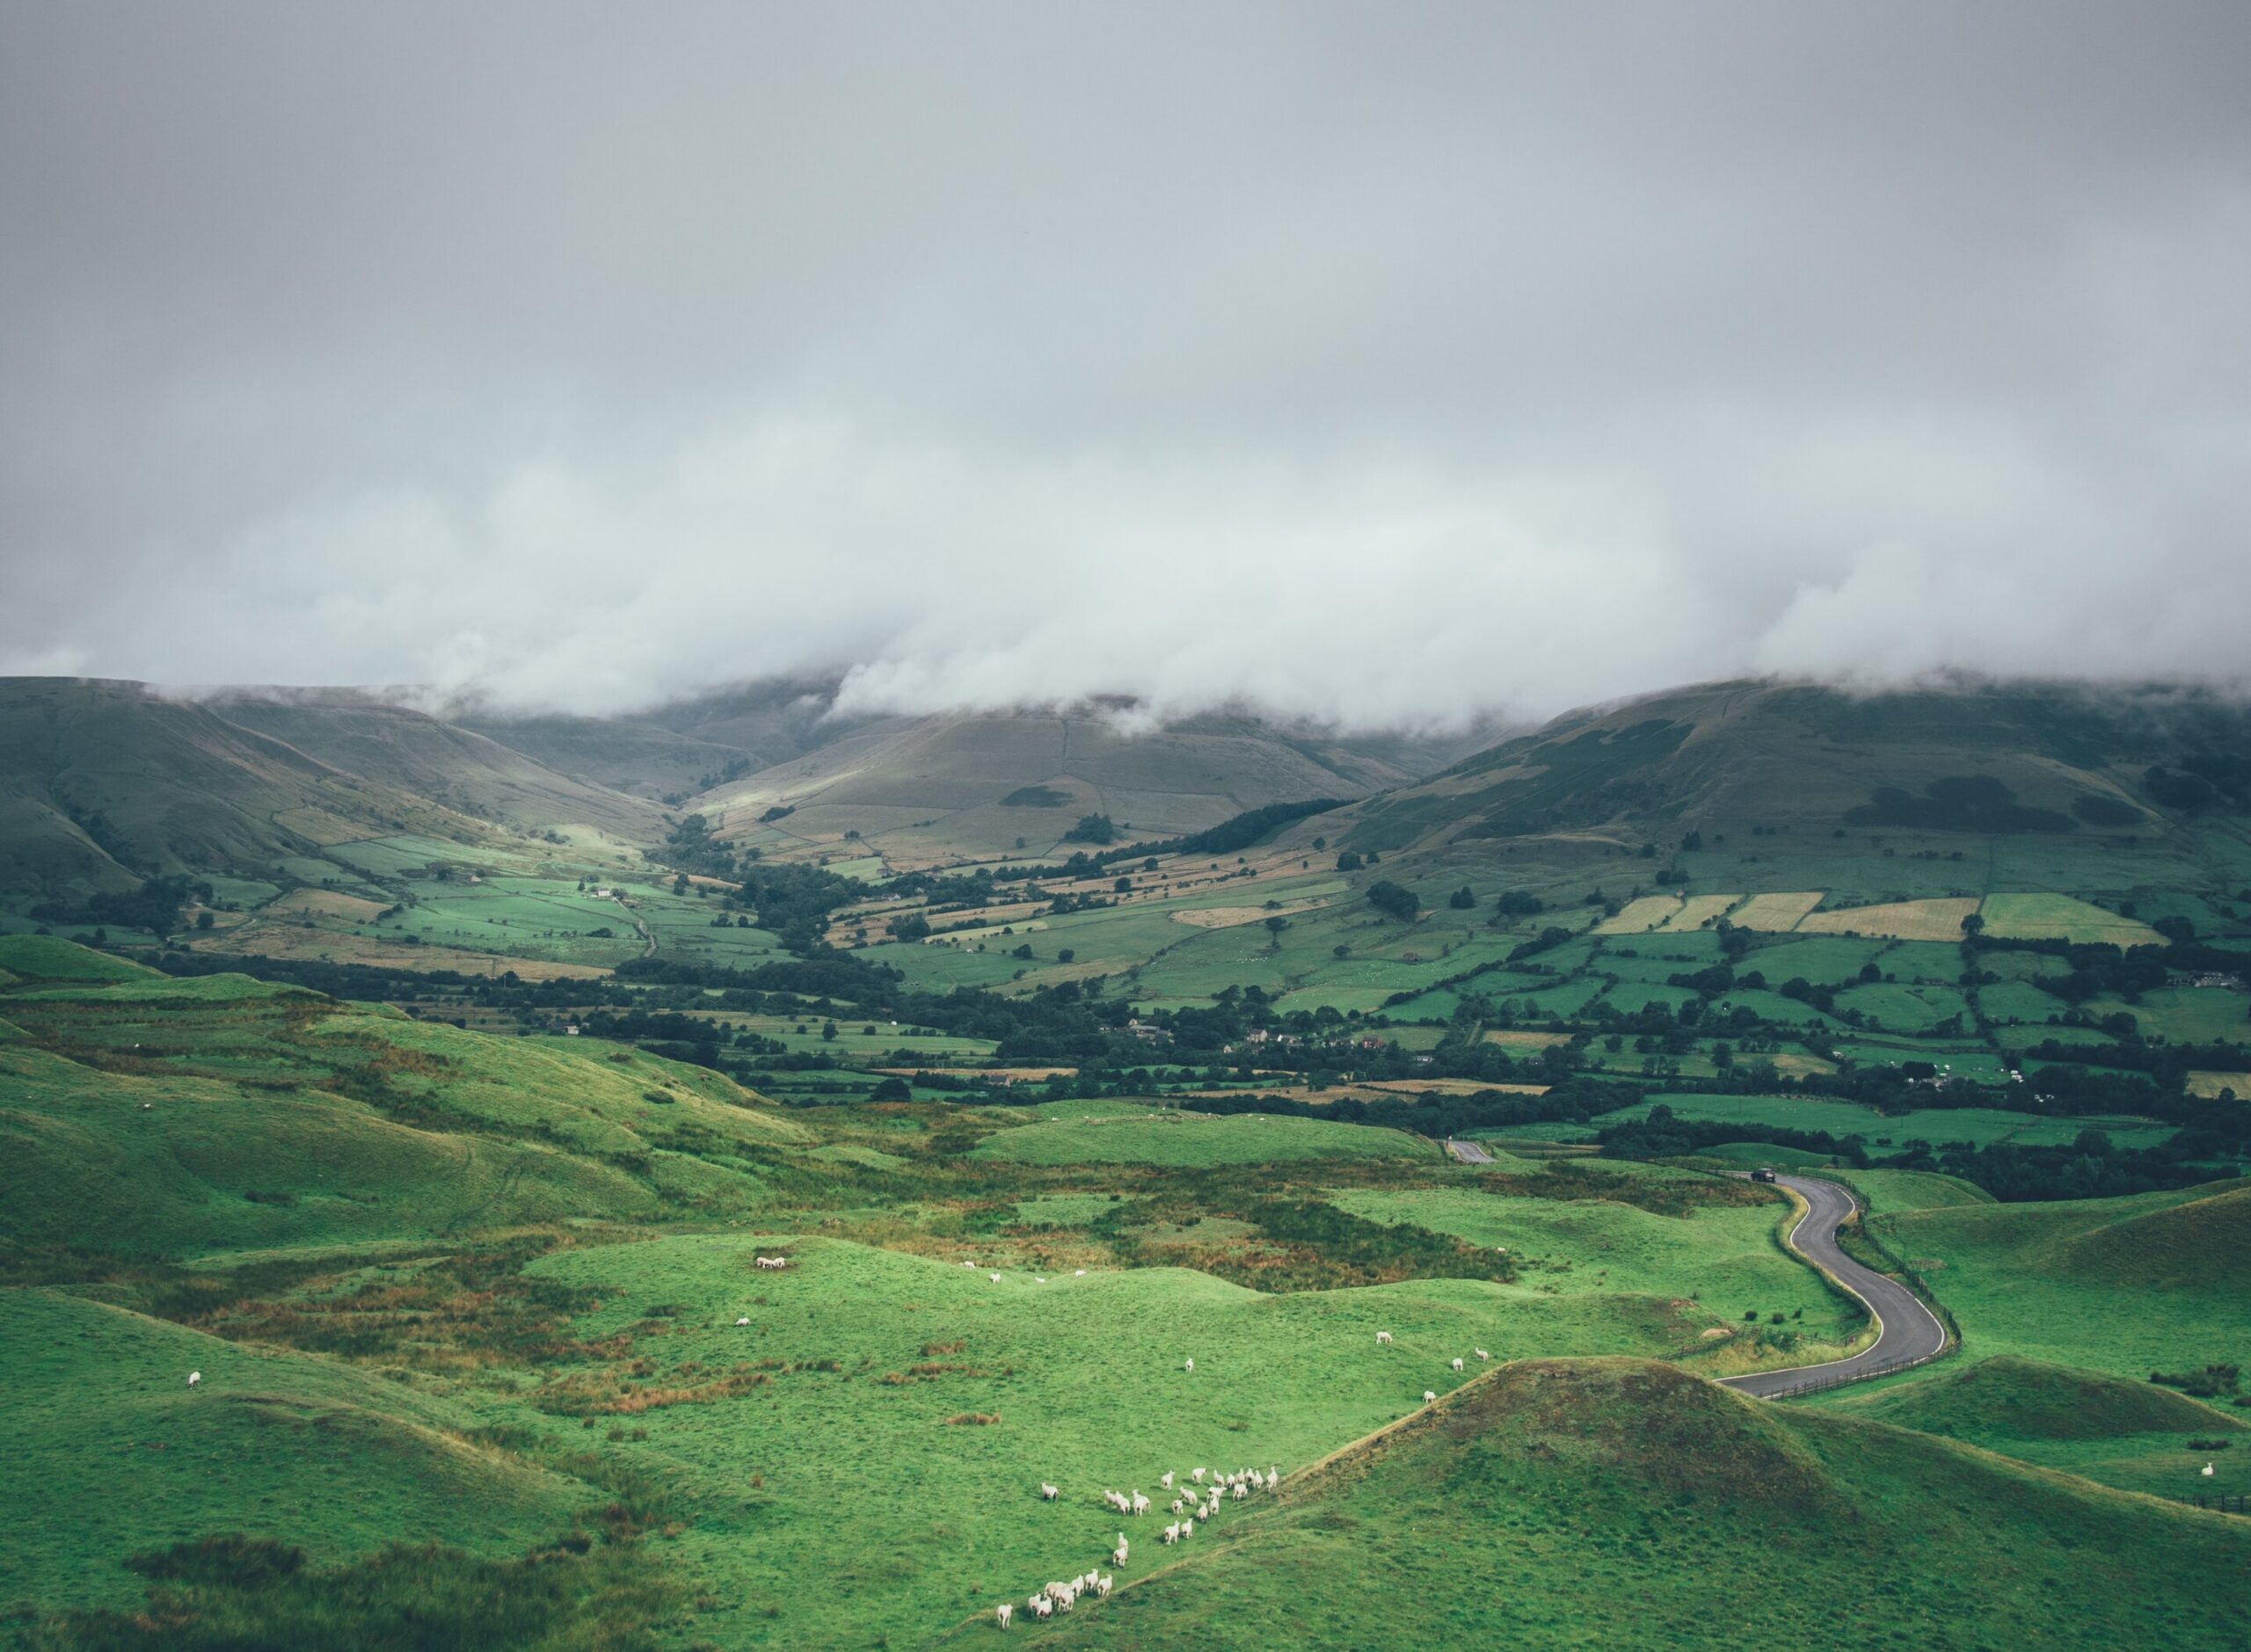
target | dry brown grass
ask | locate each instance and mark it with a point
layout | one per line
(1639, 917)
(1939, 920)
(1776, 914)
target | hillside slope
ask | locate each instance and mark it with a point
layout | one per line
(463, 770)
(2019, 759)
(105, 784)
(1622, 1504)
(923, 790)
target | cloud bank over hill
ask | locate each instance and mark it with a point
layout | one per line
(1375, 365)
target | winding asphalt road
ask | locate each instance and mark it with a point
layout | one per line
(1469, 1152)
(1907, 1331)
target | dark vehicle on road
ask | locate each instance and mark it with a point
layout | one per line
(1762, 1175)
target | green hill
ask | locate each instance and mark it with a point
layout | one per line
(105, 784)
(2007, 1398)
(163, 1118)
(625, 754)
(2157, 1281)
(128, 1457)
(1617, 1502)
(2037, 760)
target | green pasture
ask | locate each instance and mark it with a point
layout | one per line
(2155, 1282)
(1118, 1133)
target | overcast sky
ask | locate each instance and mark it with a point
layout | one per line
(1383, 363)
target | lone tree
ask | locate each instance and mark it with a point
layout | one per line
(1274, 928)
(1462, 899)
(1092, 828)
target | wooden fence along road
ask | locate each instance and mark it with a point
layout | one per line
(1907, 1332)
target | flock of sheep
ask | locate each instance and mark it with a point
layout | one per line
(1198, 1498)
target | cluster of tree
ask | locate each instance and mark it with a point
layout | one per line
(689, 847)
(154, 906)
(1394, 901)
(1662, 1134)
(2092, 1167)
(1092, 828)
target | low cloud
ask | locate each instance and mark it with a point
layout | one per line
(1390, 371)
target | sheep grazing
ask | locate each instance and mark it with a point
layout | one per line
(1188, 1527)
(1165, 1479)
(1081, 1274)
(1273, 1478)
(994, 1278)
(194, 1378)
(1002, 1612)
(2208, 1471)
(1172, 1531)
(1197, 1474)
(1041, 1607)
(1457, 1361)
(1430, 1395)
(1121, 1548)
(1039, 1278)
(1049, 1492)
(971, 1266)
(1178, 1504)
(1189, 1366)
(1383, 1339)
(1104, 1585)
(1481, 1353)
(1240, 1491)
(1118, 1557)
(1140, 1503)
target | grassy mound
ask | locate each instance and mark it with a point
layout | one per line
(2202, 1244)
(2154, 1281)
(1618, 1503)
(2008, 1399)
(167, 1117)
(127, 1457)
(1108, 1135)
(1914, 1189)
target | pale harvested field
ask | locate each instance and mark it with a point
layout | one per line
(1021, 1076)
(1449, 1086)
(1775, 915)
(1525, 1038)
(1939, 920)
(327, 903)
(1697, 910)
(1232, 917)
(2210, 1084)
(1639, 917)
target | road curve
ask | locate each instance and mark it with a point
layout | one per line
(1469, 1152)
(1907, 1331)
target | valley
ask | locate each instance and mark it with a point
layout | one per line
(446, 1113)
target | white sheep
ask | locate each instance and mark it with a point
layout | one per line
(1039, 1278)
(1004, 1611)
(194, 1378)
(1140, 1503)
(1191, 1365)
(1118, 1557)
(1178, 1504)
(994, 1278)
(1481, 1353)
(1188, 1527)
(1197, 1474)
(2208, 1471)
(1457, 1361)
(1165, 1479)
(971, 1266)
(1430, 1395)
(1240, 1491)
(1121, 1548)
(1042, 1607)
(1383, 1338)
(1104, 1585)
(1081, 1274)
(1049, 1492)
(1172, 1531)
(745, 1320)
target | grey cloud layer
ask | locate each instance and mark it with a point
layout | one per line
(1381, 364)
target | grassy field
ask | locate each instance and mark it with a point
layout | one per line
(1094, 1132)
(2157, 1282)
